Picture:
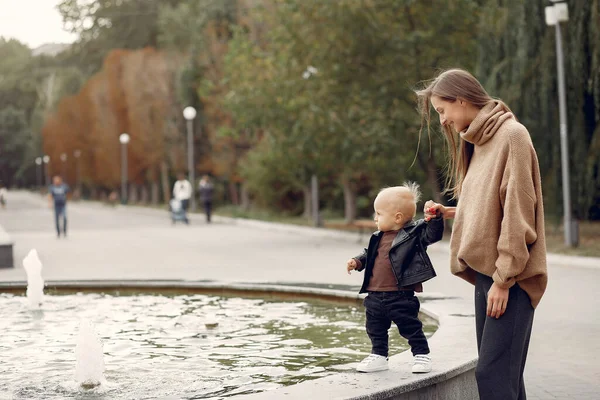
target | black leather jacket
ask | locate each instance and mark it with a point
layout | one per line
(408, 254)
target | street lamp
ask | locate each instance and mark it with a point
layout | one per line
(189, 113)
(314, 180)
(555, 14)
(77, 154)
(124, 139)
(46, 160)
(63, 158)
(38, 171)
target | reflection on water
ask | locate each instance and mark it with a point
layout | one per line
(158, 346)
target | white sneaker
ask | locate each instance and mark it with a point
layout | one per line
(421, 364)
(373, 363)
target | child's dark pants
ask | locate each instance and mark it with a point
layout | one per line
(402, 308)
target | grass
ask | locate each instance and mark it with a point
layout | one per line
(589, 231)
(589, 239)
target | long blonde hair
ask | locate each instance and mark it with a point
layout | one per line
(452, 85)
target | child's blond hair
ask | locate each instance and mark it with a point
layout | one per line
(400, 198)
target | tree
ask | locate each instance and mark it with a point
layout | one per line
(356, 107)
(13, 126)
(518, 63)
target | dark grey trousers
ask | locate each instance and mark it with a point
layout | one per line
(400, 307)
(502, 343)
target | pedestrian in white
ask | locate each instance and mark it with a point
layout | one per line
(182, 191)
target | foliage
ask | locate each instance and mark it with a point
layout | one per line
(518, 63)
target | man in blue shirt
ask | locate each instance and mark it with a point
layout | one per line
(57, 195)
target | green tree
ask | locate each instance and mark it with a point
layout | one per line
(103, 25)
(340, 77)
(13, 131)
(517, 62)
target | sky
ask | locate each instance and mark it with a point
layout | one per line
(33, 22)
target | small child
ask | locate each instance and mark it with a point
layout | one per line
(396, 264)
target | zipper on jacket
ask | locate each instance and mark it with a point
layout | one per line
(394, 271)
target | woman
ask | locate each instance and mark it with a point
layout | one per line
(497, 241)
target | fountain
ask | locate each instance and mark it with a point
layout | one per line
(211, 321)
(35, 282)
(89, 370)
(185, 344)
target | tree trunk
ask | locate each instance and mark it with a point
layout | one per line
(154, 192)
(307, 202)
(349, 200)
(245, 198)
(144, 194)
(233, 192)
(164, 180)
(133, 193)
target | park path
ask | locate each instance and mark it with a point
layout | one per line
(140, 243)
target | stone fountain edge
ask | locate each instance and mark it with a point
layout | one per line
(453, 345)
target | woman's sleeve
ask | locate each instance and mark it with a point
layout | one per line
(519, 203)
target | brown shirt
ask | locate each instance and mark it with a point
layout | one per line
(383, 278)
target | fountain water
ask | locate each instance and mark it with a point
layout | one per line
(211, 321)
(89, 370)
(35, 282)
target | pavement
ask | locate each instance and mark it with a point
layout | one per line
(106, 242)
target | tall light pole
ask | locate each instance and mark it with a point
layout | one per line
(189, 113)
(314, 181)
(124, 139)
(77, 155)
(46, 160)
(38, 172)
(63, 158)
(555, 14)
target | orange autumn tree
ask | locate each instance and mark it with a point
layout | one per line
(132, 93)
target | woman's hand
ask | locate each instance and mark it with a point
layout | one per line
(434, 210)
(497, 301)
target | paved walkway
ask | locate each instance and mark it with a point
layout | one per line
(137, 243)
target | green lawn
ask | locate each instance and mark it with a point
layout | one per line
(589, 232)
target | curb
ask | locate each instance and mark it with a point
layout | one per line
(552, 258)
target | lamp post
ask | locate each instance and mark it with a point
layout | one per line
(124, 139)
(77, 155)
(314, 181)
(38, 172)
(63, 158)
(189, 113)
(555, 14)
(46, 160)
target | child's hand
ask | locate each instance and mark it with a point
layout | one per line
(433, 210)
(351, 265)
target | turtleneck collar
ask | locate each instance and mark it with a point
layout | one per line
(486, 123)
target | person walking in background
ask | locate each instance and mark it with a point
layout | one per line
(3, 192)
(498, 242)
(57, 196)
(182, 192)
(205, 188)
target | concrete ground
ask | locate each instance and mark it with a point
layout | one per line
(136, 243)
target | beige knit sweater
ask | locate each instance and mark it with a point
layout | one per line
(499, 223)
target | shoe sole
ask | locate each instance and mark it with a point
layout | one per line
(372, 370)
(421, 372)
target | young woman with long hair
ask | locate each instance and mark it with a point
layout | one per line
(498, 241)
